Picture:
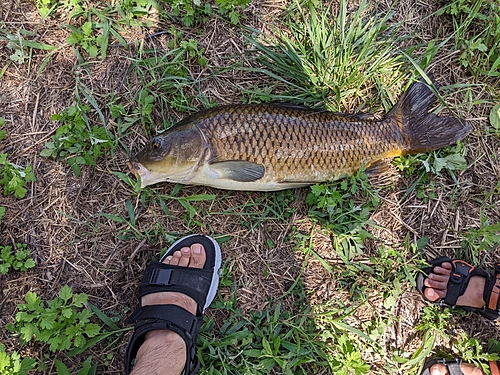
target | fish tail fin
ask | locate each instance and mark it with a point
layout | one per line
(424, 131)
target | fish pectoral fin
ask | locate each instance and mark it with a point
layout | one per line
(377, 168)
(239, 170)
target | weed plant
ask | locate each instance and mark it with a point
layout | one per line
(344, 207)
(477, 34)
(22, 44)
(348, 62)
(75, 141)
(471, 351)
(19, 260)
(262, 342)
(198, 11)
(449, 160)
(12, 364)
(61, 322)
(478, 241)
(13, 177)
(87, 368)
(99, 23)
(165, 79)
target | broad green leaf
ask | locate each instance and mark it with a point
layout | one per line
(92, 330)
(74, 38)
(32, 300)
(65, 293)
(61, 368)
(80, 299)
(27, 332)
(87, 28)
(495, 117)
(92, 50)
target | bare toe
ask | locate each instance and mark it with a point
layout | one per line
(185, 257)
(174, 261)
(434, 294)
(198, 256)
(438, 370)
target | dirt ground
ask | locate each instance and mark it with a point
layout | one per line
(72, 243)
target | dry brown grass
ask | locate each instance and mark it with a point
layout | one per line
(59, 218)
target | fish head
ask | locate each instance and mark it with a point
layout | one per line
(170, 157)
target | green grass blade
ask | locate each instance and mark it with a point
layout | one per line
(103, 317)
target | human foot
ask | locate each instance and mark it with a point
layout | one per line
(467, 369)
(440, 366)
(437, 287)
(174, 295)
(453, 282)
(191, 257)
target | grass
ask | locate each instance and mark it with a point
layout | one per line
(477, 34)
(346, 63)
(346, 309)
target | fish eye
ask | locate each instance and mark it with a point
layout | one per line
(155, 143)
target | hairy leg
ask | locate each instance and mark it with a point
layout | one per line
(164, 352)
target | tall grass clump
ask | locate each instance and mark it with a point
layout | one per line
(477, 34)
(349, 62)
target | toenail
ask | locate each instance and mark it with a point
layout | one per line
(169, 257)
(185, 250)
(197, 249)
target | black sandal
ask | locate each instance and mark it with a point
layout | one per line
(461, 272)
(453, 366)
(199, 284)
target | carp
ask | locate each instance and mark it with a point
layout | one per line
(268, 147)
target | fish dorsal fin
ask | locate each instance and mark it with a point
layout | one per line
(295, 106)
(239, 170)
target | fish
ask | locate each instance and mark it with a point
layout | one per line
(269, 147)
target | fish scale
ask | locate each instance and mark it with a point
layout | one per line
(294, 140)
(275, 146)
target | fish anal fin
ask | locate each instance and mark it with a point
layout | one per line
(239, 170)
(377, 168)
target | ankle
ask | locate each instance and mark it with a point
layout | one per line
(151, 354)
(469, 369)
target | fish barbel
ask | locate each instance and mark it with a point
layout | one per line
(278, 146)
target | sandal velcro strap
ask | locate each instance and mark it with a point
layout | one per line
(194, 282)
(491, 295)
(165, 317)
(459, 279)
(495, 290)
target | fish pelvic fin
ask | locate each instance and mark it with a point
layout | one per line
(239, 170)
(424, 131)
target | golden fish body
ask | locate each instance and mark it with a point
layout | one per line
(273, 147)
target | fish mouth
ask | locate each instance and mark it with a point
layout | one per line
(139, 171)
